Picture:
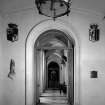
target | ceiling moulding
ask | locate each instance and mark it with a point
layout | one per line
(19, 10)
(90, 13)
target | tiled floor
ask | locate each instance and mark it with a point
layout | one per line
(53, 97)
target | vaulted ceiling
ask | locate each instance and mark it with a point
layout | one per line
(90, 5)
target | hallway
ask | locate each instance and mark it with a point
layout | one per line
(54, 63)
(53, 97)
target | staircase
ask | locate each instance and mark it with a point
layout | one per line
(53, 97)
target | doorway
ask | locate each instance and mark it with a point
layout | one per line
(54, 64)
(53, 75)
(70, 34)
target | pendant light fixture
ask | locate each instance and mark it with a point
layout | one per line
(53, 8)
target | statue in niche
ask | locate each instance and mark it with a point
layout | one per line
(12, 69)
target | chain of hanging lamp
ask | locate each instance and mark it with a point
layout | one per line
(53, 8)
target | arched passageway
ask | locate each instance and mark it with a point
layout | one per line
(54, 45)
(57, 48)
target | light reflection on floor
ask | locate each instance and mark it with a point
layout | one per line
(53, 97)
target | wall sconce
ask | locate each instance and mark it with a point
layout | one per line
(62, 62)
(12, 32)
(64, 58)
(94, 32)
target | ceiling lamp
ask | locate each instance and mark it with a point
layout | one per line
(53, 8)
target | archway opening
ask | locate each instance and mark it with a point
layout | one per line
(54, 60)
(53, 75)
(70, 33)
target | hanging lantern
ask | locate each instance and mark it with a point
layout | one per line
(53, 8)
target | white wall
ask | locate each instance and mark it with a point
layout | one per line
(1, 59)
(91, 57)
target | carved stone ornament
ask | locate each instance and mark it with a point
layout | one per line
(12, 69)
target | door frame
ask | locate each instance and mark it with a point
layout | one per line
(35, 32)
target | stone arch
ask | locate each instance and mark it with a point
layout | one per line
(37, 30)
